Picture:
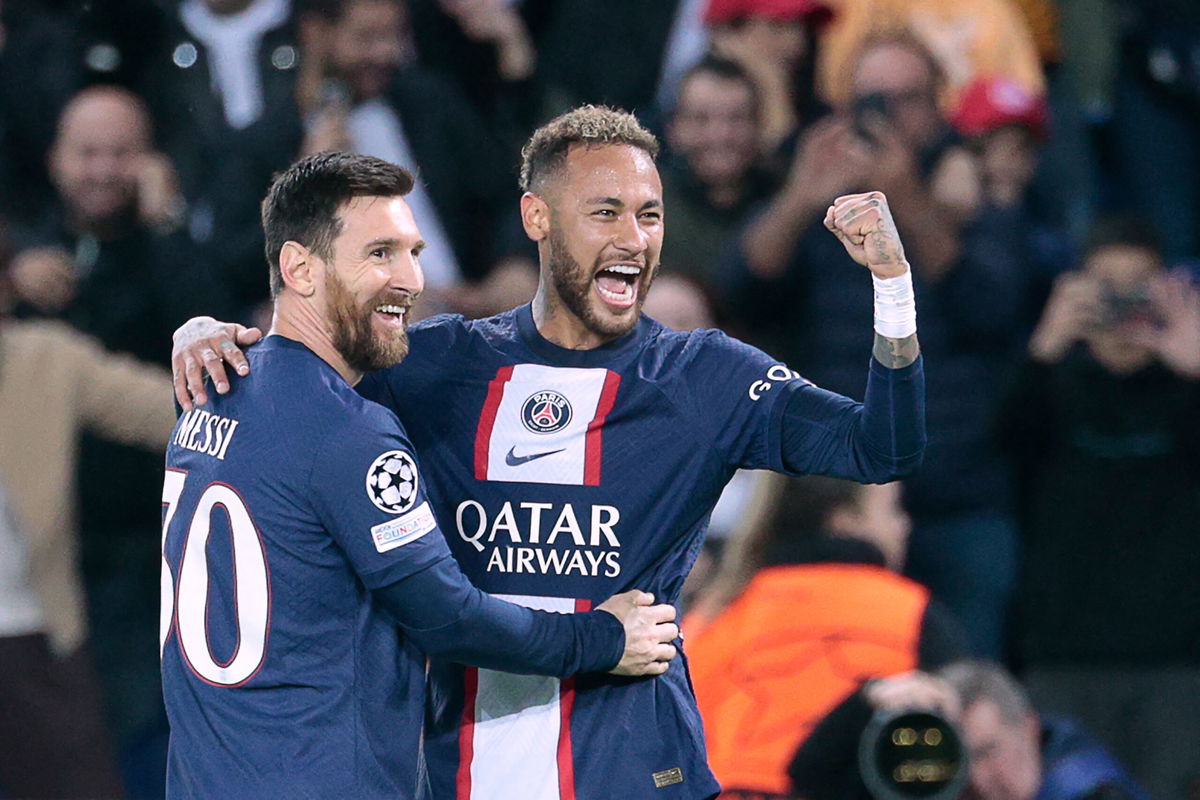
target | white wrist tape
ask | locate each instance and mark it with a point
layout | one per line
(895, 306)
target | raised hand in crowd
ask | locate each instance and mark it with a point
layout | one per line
(913, 690)
(43, 278)
(159, 201)
(830, 160)
(1173, 332)
(498, 23)
(1074, 310)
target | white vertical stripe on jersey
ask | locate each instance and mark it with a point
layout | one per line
(518, 724)
(512, 443)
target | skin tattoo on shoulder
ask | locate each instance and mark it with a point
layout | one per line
(896, 353)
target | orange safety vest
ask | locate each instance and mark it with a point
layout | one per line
(787, 651)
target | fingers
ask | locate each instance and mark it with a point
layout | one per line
(667, 631)
(195, 379)
(247, 336)
(179, 379)
(642, 598)
(661, 613)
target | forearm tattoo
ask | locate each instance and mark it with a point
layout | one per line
(896, 353)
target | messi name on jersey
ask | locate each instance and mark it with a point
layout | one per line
(205, 433)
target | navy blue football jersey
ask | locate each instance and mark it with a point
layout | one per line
(285, 503)
(562, 477)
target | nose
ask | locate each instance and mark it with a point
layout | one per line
(407, 275)
(629, 235)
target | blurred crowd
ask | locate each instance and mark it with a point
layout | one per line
(1042, 160)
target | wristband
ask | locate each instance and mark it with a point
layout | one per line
(895, 306)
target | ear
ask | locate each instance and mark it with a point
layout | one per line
(535, 216)
(298, 268)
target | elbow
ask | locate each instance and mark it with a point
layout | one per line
(880, 468)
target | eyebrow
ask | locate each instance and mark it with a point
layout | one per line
(394, 243)
(617, 202)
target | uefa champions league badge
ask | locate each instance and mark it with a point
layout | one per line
(392, 482)
(546, 412)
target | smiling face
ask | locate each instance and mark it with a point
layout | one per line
(102, 137)
(599, 224)
(371, 280)
(716, 128)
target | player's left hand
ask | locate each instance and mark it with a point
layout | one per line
(864, 225)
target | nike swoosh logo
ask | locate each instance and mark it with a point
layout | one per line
(514, 460)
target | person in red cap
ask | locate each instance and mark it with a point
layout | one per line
(775, 42)
(1004, 123)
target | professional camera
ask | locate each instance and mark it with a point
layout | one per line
(912, 754)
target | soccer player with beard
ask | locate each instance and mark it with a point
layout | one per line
(297, 534)
(577, 447)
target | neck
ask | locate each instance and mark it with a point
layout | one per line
(295, 318)
(558, 325)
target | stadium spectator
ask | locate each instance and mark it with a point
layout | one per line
(970, 38)
(1101, 418)
(1013, 753)
(1006, 127)
(716, 172)
(106, 260)
(964, 540)
(775, 42)
(222, 88)
(378, 103)
(802, 611)
(56, 383)
(1016, 754)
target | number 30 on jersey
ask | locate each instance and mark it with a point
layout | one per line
(184, 598)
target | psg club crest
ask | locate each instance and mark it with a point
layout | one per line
(392, 482)
(546, 412)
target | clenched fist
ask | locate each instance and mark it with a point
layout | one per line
(864, 225)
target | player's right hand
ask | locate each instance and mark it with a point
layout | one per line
(202, 344)
(649, 631)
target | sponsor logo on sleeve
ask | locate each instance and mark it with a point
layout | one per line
(402, 530)
(392, 482)
(776, 374)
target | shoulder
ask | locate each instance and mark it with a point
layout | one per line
(433, 337)
(701, 347)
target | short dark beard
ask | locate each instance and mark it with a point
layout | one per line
(573, 285)
(353, 335)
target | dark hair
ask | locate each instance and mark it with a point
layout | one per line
(725, 69)
(1123, 231)
(303, 202)
(591, 126)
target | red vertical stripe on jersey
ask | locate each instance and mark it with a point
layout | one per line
(566, 701)
(594, 443)
(466, 734)
(487, 420)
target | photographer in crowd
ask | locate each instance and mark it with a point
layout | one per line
(1102, 419)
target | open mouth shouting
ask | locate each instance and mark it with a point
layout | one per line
(618, 284)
